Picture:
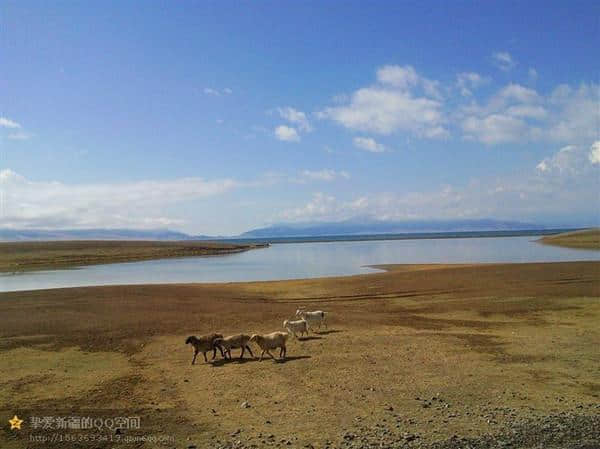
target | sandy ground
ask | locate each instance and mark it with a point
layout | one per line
(416, 355)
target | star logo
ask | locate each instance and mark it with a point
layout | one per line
(15, 423)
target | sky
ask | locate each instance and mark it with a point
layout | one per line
(218, 117)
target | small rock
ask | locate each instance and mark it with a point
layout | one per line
(245, 405)
(410, 437)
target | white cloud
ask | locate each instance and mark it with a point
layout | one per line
(394, 105)
(8, 123)
(323, 175)
(368, 144)
(520, 114)
(287, 134)
(295, 117)
(432, 88)
(216, 92)
(18, 136)
(15, 128)
(568, 160)
(301, 177)
(467, 82)
(397, 76)
(532, 73)
(385, 111)
(495, 129)
(320, 206)
(405, 78)
(594, 155)
(503, 60)
(576, 113)
(542, 166)
(443, 203)
(518, 93)
(52, 204)
(534, 112)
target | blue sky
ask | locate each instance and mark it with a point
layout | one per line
(218, 117)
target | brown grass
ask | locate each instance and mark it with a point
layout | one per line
(21, 256)
(480, 337)
(586, 239)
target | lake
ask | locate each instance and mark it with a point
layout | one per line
(299, 260)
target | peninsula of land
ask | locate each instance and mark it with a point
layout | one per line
(584, 239)
(28, 256)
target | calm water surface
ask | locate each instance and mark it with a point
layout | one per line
(299, 260)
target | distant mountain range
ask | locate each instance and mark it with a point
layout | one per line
(350, 227)
(387, 227)
(91, 234)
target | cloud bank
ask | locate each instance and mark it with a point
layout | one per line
(570, 178)
(35, 204)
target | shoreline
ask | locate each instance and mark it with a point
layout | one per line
(23, 257)
(382, 268)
